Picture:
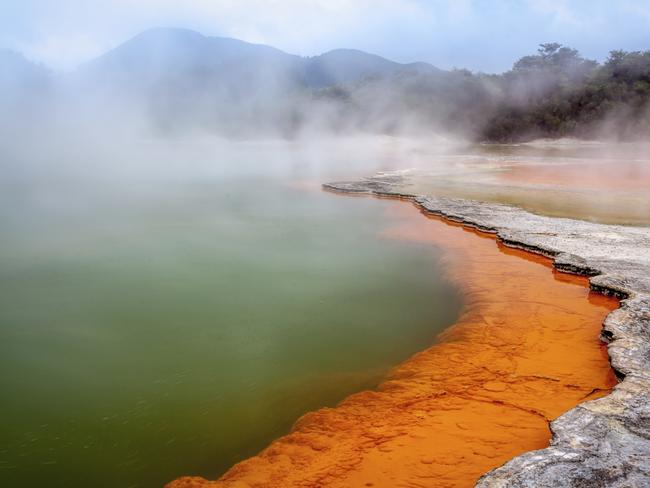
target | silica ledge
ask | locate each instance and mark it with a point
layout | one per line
(599, 443)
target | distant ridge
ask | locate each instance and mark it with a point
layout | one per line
(349, 65)
(15, 68)
(178, 80)
(163, 53)
(24, 85)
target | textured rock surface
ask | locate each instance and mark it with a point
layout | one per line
(605, 442)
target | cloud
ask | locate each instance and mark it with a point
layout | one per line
(478, 34)
(641, 9)
(560, 11)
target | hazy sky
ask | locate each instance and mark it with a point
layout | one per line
(483, 35)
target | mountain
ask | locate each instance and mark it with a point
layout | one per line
(26, 94)
(185, 57)
(188, 60)
(182, 78)
(24, 86)
(16, 72)
(343, 66)
(176, 80)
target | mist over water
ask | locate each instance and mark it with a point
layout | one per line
(594, 181)
(176, 289)
(170, 307)
(172, 82)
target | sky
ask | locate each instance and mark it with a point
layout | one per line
(481, 35)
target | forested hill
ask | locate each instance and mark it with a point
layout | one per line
(558, 93)
(554, 93)
(175, 80)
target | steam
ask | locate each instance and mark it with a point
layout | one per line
(170, 85)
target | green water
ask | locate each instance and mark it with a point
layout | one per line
(169, 311)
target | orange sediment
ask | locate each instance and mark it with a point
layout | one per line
(622, 176)
(524, 351)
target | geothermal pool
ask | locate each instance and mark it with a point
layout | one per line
(171, 310)
(524, 351)
(597, 182)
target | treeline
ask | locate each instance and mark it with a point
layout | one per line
(177, 81)
(557, 93)
(554, 93)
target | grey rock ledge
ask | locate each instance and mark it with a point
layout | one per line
(599, 443)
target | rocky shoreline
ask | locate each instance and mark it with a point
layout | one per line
(599, 443)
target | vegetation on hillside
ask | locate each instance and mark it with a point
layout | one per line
(554, 93)
(558, 93)
(175, 80)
